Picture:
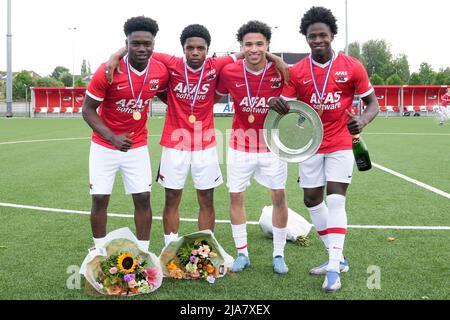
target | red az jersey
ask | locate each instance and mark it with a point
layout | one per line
(179, 133)
(248, 136)
(347, 78)
(118, 105)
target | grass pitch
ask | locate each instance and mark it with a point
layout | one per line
(39, 250)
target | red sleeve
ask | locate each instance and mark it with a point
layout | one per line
(164, 78)
(222, 84)
(290, 90)
(223, 61)
(363, 87)
(166, 59)
(99, 85)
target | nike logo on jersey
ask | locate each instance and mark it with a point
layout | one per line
(307, 81)
(240, 85)
(215, 180)
(121, 87)
(174, 73)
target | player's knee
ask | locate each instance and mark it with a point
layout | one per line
(278, 198)
(172, 194)
(312, 201)
(100, 200)
(206, 197)
(236, 198)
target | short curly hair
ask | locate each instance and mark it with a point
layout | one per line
(195, 30)
(254, 26)
(318, 14)
(140, 23)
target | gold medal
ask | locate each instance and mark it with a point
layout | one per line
(251, 118)
(137, 115)
(192, 118)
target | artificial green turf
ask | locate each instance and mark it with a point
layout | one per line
(40, 246)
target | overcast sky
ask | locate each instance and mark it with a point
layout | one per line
(42, 39)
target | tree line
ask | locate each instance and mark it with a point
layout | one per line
(381, 65)
(385, 68)
(60, 77)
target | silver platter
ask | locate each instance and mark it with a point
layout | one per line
(295, 136)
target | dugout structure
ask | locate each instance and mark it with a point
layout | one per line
(394, 100)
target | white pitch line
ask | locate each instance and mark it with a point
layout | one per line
(58, 139)
(158, 135)
(414, 181)
(121, 215)
(42, 140)
(407, 133)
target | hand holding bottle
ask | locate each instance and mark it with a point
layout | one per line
(362, 158)
(356, 123)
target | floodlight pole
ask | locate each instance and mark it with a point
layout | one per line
(73, 55)
(9, 113)
(346, 28)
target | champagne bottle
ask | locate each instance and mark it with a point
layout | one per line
(361, 154)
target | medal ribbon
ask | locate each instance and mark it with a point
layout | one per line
(250, 99)
(320, 94)
(198, 85)
(131, 82)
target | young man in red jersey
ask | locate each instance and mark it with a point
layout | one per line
(251, 83)
(188, 137)
(117, 112)
(328, 80)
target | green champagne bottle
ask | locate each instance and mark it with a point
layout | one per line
(361, 154)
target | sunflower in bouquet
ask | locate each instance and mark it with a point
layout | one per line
(194, 260)
(125, 274)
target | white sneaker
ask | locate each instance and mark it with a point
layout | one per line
(322, 269)
(332, 282)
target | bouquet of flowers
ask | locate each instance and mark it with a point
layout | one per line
(195, 256)
(121, 267)
(125, 274)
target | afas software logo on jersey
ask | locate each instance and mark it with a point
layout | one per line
(341, 76)
(154, 83)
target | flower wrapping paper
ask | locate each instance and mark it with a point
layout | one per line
(116, 242)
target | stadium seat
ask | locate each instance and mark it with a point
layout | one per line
(56, 110)
(423, 109)
(43, 110)
(69, 110)
(389, 109)
(410, 109)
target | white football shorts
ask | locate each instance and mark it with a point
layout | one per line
(321, 168)
(134, 166)
(203, 164)
(268, 170)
